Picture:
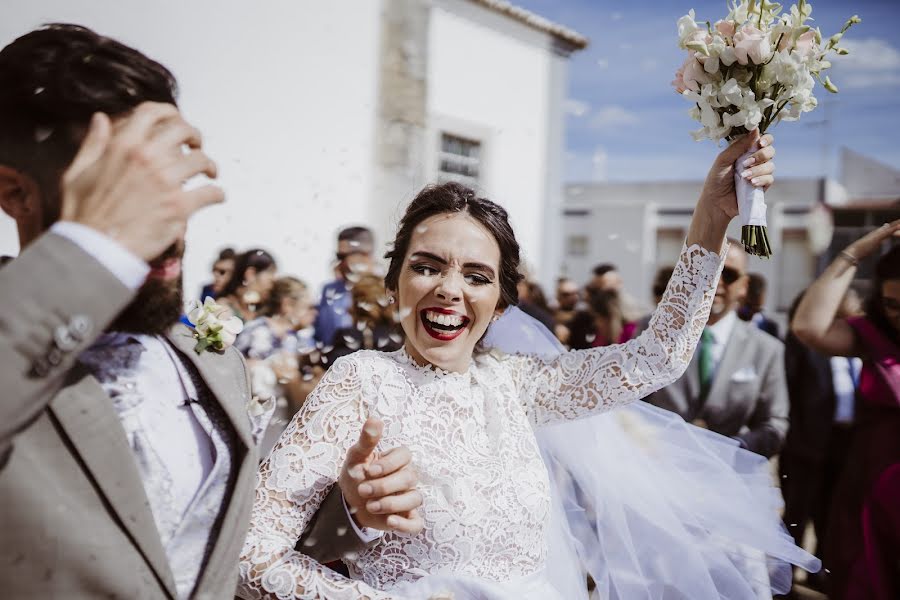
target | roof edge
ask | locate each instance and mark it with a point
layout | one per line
(535, 21)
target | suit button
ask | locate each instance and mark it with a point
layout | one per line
(54, 357)
(80, 326)
(40, 368)
(64, 339)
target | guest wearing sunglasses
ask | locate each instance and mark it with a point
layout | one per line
(354, 259)
(735, 384)
(222, 270)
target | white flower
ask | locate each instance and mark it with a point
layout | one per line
(749, 117)
(731, 93)
(721, 52)
(687, 27)
(214, 326)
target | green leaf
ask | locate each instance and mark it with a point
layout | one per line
(202, 345)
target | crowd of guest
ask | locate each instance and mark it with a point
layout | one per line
(822, 399)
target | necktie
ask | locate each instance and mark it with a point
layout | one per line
(705, 362)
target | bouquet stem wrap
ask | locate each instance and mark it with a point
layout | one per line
(752, 211)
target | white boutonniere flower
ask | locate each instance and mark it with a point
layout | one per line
(215, 327)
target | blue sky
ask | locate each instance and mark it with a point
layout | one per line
(625, 122)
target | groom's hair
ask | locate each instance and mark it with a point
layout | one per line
(51, 81)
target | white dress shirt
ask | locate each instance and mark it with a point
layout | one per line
(173, 430)
(128, 268)
(721, 332)
(844, 377)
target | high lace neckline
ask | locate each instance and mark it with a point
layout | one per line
(404, 357)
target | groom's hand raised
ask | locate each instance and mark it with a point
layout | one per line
(127, 180)
(381, 490)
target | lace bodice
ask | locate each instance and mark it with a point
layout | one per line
(486, 490)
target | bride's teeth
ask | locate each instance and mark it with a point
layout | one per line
(445, 320)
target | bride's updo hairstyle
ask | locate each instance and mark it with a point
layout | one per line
(454, 197)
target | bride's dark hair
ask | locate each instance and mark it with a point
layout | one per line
(454, 197)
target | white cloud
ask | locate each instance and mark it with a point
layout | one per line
(613, 116)
(576, 108)
(649, 64)
(867, 80)
(872, 62)
(616, 16)
(603, 63)
(871, 54)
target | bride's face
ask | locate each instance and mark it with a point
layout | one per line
(448, 289)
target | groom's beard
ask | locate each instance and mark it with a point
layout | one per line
(159, 302)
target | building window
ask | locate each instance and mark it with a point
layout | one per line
(460, 160)
(577, 245)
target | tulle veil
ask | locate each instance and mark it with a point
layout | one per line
(650, 507)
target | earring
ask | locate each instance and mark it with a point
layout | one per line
(391, 300)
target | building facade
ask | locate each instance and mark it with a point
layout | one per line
(328, 114)
(641, 227)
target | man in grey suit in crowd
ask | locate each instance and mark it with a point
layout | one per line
(127, 459)
(735, 384)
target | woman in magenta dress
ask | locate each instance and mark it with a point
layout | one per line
(862, 551)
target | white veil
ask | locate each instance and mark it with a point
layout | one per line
(650, 507)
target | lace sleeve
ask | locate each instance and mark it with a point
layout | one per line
(582, 382)
(292, 483)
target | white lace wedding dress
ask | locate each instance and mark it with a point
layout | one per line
(486, 490)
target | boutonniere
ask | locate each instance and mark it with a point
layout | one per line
(215, 327)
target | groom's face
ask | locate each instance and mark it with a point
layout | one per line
(159, 302)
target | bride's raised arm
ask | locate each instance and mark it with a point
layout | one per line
(293, 481)
(583, 382)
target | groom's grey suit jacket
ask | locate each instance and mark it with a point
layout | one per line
(748, 398)
(75, 521)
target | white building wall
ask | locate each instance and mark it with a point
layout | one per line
(285, 93)
(488, 80)
(641, 226)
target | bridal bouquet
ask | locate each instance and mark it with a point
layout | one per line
(753, 69)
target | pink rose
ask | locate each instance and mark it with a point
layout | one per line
(678, 82)
(690, 76)
(806, 44)
(726, 28)
(751, 44)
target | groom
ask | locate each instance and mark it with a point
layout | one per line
(127, 460)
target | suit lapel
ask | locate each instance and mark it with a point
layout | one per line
(87, 417)
(728, 365)
(221, 380)
(226, 385)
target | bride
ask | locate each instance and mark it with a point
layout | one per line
(470, 416)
